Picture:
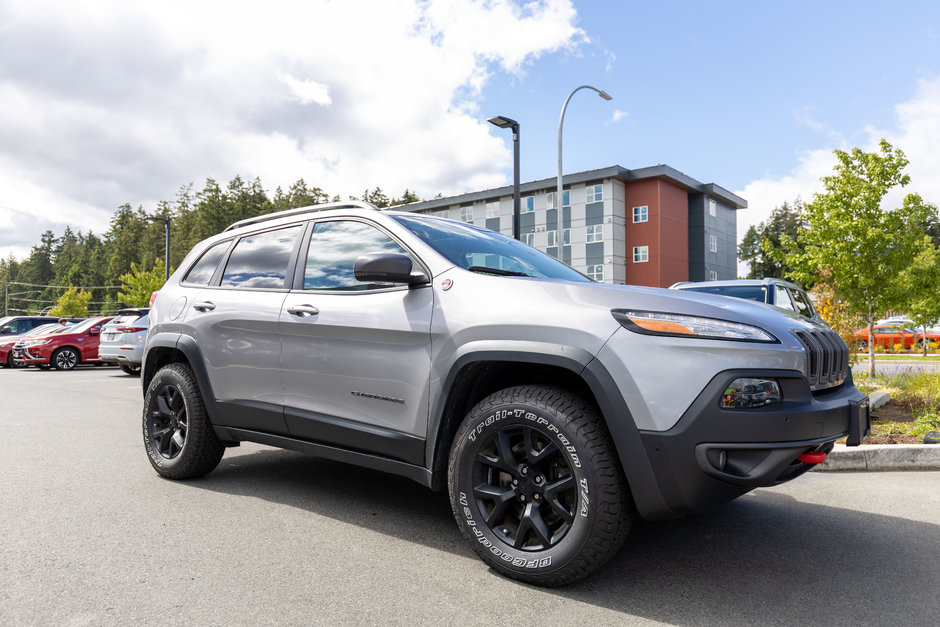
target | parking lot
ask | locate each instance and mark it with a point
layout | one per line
(90, 535)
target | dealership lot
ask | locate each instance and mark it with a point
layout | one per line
(89, 534)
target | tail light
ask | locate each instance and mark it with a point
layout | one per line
(153, 297)
(131, 329)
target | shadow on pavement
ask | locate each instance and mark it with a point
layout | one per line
(763, 559)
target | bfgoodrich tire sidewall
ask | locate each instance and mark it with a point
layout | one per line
(485, 542)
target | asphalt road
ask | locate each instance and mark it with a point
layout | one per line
(90, 535)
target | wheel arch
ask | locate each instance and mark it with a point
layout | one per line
(475, 375)
(168, 348)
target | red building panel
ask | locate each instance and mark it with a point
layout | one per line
(666, 232)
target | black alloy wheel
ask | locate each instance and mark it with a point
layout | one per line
(169, 422)
(524, 487)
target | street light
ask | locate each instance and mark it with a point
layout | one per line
(166, 224)
(561, 120)
(504, 122)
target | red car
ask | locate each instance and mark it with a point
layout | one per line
(8, 342)
(63, 349)
(889, 336)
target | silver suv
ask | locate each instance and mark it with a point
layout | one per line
(553, 409)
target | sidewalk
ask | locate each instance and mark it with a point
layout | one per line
(883, 457)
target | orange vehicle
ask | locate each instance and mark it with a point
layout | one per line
(889, 336)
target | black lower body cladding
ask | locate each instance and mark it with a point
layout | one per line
(713, 455)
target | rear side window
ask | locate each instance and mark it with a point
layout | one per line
(260, 261)
(202, 270)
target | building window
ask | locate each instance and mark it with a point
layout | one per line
(641, 254)
(712, 208)
(641, 214)
(713, 243)
(528, 204)
(595, 193)
(528, 239)
(553, 237)
(595, 233)
(466, 214)
(550, 199)
(712, 275)
(596, 272)
(492, 209)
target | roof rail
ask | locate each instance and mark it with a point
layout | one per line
(352, 204)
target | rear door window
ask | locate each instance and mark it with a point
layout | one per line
(262, 260)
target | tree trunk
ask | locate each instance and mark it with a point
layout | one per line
(871, 340)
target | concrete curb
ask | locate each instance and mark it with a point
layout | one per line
(882, 457)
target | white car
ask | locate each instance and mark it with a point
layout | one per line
(122, 339)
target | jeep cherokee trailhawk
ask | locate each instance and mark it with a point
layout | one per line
(553, 409)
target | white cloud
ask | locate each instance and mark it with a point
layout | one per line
(916, 132)
(617, 116)
(307, 91)
(103, 103)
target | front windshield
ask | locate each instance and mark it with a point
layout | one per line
(82, 326)
(484, 251)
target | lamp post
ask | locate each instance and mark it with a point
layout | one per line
(504, 122)
(166, 259)
(561, 120)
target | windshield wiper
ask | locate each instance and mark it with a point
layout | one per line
(499, 271)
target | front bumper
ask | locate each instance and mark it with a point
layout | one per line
(713, 455)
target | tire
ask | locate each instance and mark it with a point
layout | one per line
(12, 363)
(65, 358)
(131, 370)
(178, 436)
(536, 486)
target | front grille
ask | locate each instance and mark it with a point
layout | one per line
(827, 357)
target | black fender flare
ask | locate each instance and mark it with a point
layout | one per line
(634, 459)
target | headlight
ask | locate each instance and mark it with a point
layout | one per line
(37, 342)
(681, 325)
(746, 393)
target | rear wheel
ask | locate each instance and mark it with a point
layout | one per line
(536, 486)
(65, 358)
(178, 436)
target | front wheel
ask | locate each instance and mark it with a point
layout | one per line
(65, 358)
(178, 436)
(536, 486)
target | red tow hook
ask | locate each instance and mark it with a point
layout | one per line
(812, 457)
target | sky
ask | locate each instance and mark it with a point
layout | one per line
(104, 102)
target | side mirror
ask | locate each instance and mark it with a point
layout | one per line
(94, 331)
(6, 330)
(386, 268)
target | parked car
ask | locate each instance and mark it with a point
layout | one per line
(122, 339)
(776, 292)
(553, 409)
(65, 349)
(7, 343)
(889, 336)
(18, 325)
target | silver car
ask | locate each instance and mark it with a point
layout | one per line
(122, 339)
(554, 410)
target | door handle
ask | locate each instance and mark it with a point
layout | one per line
(204, 306)
(303, 310)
